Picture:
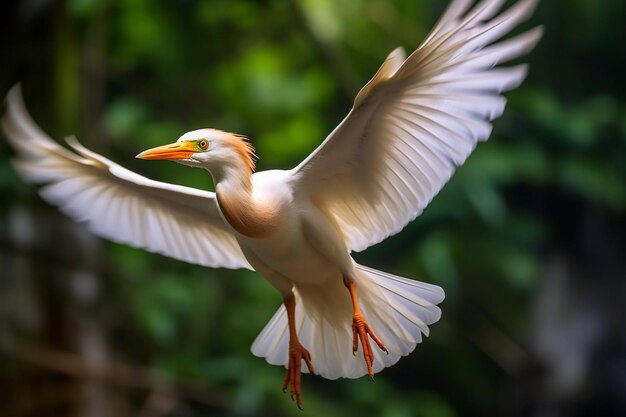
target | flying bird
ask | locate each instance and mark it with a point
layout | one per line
(410, 126)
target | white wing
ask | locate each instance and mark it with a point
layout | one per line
(176, 221)
(416, 121)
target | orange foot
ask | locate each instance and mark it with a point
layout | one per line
(292, 378)
(360, 331)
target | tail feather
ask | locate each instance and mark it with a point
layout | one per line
(274, 339)
(399, 311)
(414, 303)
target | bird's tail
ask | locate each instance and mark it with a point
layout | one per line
(397, 309)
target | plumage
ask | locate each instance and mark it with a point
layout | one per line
(181, 222)
(411, 308)
(410, 126)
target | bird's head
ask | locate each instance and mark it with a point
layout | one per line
(212, 149)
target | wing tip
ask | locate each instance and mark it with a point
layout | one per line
(520, 72)
(14, 94)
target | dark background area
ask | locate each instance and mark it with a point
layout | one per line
(528, 239)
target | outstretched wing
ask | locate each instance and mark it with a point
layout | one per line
(117, 204)
(416, 121)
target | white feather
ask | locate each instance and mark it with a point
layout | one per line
(426, 116)
(180, 222)
(399, 309)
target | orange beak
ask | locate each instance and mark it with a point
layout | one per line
(178, 150)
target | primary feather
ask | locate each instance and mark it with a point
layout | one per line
(416, 121)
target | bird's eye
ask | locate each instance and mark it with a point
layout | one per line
(203, 144)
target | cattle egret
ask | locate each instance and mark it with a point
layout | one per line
(410, 126)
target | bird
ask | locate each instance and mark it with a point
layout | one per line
(409, 128)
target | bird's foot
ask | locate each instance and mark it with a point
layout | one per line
(360, 331)
(297, 353)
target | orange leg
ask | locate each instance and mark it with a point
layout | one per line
(361, 330)
(296, 354)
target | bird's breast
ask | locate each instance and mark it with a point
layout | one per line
(291, 257)
(253, 220)
(300, 241)
(290, 252)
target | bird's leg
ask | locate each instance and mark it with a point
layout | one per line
(296, 354)
(361, 330)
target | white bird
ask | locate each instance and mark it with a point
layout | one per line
(411, 125)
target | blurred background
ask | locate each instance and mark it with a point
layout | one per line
(528, 239)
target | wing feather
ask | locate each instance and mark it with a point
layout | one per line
(118, 204)
(416, 121)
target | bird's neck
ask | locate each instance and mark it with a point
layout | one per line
(244, 213)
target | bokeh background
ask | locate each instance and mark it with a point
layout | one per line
(528, 239)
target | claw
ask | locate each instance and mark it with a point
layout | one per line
(297, 353)
(360, 331)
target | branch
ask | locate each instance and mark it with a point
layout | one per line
(115, 373)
